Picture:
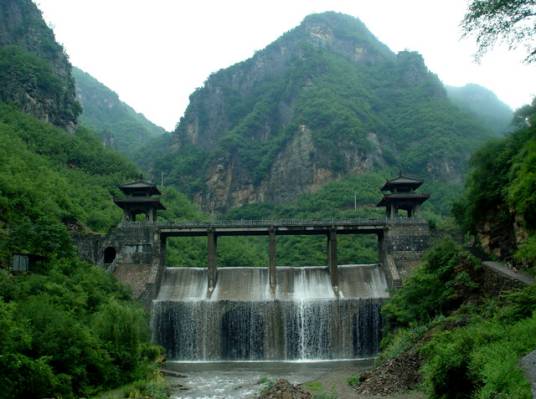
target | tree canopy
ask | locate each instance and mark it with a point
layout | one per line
(510, 21)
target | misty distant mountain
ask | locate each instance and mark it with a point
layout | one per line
(116, 122)
(484, 104)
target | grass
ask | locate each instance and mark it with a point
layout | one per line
(151, 388)
(317, 389)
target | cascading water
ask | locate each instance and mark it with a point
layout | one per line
(244, 320)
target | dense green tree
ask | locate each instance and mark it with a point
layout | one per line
(500, 194)
(511, 21)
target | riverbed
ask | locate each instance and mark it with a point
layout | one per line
(244, 380)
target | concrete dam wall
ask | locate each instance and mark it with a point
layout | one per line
(244, 319)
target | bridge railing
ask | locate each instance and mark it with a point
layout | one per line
(272, 222)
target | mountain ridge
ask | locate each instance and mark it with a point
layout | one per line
(117, 123)
(324, 100)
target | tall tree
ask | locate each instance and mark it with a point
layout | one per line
(510, 21)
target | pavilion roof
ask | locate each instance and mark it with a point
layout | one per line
(140, 186)
(402, 181)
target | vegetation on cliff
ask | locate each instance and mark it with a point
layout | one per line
(118, 125)
(325, 100)
(68, 329)
(467, 341)
(35, 73)
(498, 208)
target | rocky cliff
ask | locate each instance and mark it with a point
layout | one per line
(325, 100)
(35, 73)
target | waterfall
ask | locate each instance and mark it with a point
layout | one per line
(244, 320)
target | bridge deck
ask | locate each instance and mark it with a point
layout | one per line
(266, 227)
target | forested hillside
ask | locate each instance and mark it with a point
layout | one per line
(68, 328)
(118, 125)
(324, 101)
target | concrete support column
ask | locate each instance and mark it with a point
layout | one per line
(381, 248)
(272, 272)
(332, 260)
(162, 257)
(212, 259)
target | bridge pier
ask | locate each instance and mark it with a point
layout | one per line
(212, 259)
(272, 271)
(332, 260)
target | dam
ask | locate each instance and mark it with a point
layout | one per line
(244, 320)
(272, 313)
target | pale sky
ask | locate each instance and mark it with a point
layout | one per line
(154, 53)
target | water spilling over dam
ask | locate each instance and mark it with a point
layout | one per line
(303, 319)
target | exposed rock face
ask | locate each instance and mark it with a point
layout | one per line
(325, 100)
(35, 73)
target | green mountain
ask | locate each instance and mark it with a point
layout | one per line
(484, 104)
(35, 73)
(120, 127)
(68, 329)
(324, 101)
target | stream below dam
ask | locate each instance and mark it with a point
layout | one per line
(245, 380)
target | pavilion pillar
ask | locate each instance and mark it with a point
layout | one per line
(272, 271)
(332, 260)
(212, 259)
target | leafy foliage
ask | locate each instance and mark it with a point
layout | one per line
(76, 177)
(480, 359)
(501, 189)
(470, 344)
(443, 281)
(512, 21)
(68, 329)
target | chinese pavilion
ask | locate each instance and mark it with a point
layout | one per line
(399, 194)
(139, 200)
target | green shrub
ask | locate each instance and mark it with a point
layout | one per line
(438, 286)
(479, 360)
